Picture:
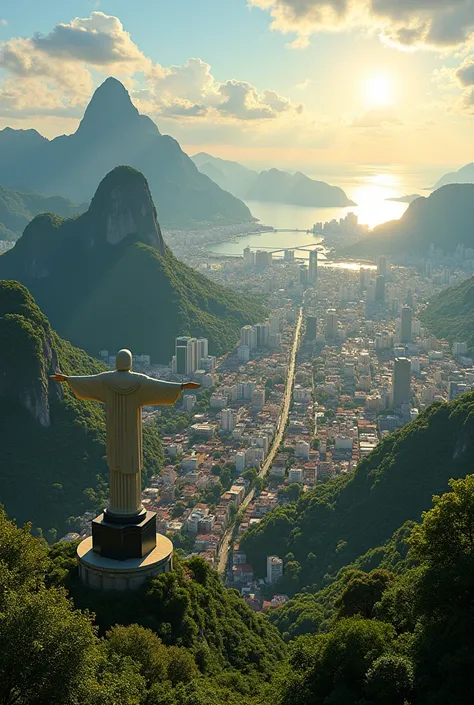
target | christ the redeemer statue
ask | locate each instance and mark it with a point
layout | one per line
(124, 393)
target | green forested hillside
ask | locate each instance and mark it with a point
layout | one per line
(451, 314)
(181, 640)
(17, 208)
(119, 285)
(339, 521)
(392, 639)
(53, 445)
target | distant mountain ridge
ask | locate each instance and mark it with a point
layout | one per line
(444, 219)
(17, 208)
(112, 132)
(464, 175)
(106, 280)
(272, 185)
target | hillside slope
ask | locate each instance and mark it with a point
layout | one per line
(296, 189)
(443, 219)
(53, 446)
(17, 208)
(112, 132)
(339, 521)
(119, 285)
(451, 314)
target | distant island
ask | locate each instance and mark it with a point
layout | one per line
(405, 199)
(273, 185)
(464, 175)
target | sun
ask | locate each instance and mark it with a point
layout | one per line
(379, 91)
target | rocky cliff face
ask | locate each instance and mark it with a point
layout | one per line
(27, 353)
(123, 206)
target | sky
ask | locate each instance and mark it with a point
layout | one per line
(267, 82)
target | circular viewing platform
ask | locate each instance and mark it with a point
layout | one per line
(108, 574)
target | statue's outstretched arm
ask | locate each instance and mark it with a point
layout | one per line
(155, 392)
(88, 387)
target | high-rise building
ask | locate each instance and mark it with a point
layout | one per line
(263, 259)
(258, 399)
(274, 569)
(406, 325)
(263, 331)
(401, 382)
(243, 353)
(289, 256)
(313, 266)
(311, 327)
(380, 289)
(304, 275)
(382, 266)
(248, 336)
(203, 349)
(247, 256)
(331, 324)
(363, 274)
(228, 420)
(181, 352)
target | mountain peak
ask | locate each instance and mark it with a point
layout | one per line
(123, 206)
(110, 109)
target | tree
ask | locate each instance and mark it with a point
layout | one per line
(178, 510)
(332, 667)
(362, 592)
(144, 647)
(46, 649)
(389, 680)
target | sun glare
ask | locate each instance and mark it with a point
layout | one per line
(379, 91)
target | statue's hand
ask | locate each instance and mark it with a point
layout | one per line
(58, 377)
(191, 385)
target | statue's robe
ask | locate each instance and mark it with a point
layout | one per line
(124, 394)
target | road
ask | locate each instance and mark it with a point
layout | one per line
(227, 538)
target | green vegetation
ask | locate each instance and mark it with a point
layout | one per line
(331, 526)
(451, 314)
(133, 293)
(408, 638)
(402, 638)
(52, 455)
(182, 640)
(17, 208)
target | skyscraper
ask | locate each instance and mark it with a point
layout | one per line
(181, 348)
(331, 324)
(401, 382)
(311, 327)
(263, 331)
(248, 336)
(406, 325)
(382, 266)
(313, 266)
(380, 289)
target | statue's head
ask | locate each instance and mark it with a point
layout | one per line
(123, 361)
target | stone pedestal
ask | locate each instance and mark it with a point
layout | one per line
(121, 541)
(96, 571)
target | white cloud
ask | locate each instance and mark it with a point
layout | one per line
(407, 23)
(3, 23)
(55, 69)
(98, 40)
(191, 90)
